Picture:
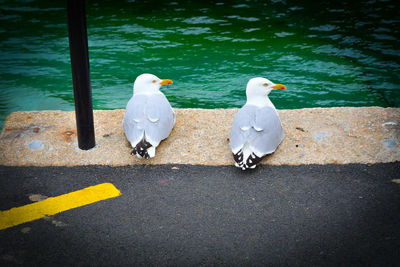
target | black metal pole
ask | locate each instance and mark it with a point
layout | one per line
(78, 46)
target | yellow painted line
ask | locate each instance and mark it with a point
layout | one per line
(54, 205)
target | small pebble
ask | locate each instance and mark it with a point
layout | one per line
(37, 197)
(25, 230)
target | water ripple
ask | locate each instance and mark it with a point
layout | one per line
(202, 20)
(241, 40)
(251, 29)
(31, 9)
(324, 28)
(241, 6)
(383, 37)
(251, 19)
(194, 30)
(284, 34)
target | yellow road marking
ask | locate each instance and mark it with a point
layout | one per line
(54, 205)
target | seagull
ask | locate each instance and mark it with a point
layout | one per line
(257, 129)
(149, 117)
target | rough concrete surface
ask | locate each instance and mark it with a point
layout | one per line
(201, 136)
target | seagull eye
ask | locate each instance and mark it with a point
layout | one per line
(154, 81)
(266, 84)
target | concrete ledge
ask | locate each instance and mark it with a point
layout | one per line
(200, 136)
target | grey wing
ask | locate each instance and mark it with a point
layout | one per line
(134, 119)
(160, 119)
(267, 131)
(241, 128)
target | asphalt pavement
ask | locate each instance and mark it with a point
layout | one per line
(185, 215)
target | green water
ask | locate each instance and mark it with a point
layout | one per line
(329, 53)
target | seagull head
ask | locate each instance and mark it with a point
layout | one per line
(149, 83)
(257, 90)
(261, 87)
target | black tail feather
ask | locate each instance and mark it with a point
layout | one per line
(141, 149)
(238, 157)
(251, 161)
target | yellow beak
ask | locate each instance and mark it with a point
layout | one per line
(166, 81)
(279, 86)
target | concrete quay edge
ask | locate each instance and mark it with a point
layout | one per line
(339, 135)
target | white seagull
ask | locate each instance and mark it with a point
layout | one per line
(149, 117)
(257, 129)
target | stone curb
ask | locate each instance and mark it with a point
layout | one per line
(346, 135)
